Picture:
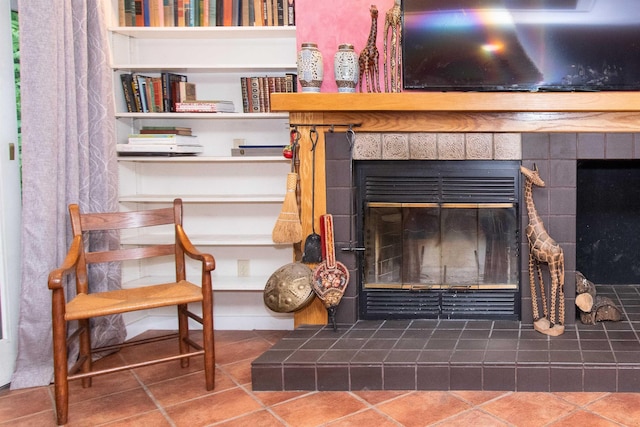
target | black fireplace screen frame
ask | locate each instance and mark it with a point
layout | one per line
(437, 182)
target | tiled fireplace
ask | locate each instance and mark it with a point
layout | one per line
(442, 352)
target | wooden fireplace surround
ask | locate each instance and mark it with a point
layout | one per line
(440, 112)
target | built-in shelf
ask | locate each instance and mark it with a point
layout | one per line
(203, 159)
(203, 240)
(224, 198)
(208, 116)
(176, 33)
(196, 68)
(220, 283)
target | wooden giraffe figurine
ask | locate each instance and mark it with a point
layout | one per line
(392, 23)
(543, 250)
(368, 60)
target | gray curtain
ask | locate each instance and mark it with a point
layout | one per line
(68, 157)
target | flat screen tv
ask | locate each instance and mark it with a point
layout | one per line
(521, 45)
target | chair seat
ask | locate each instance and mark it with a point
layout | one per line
(84, 306)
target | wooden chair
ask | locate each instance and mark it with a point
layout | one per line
(87, 305)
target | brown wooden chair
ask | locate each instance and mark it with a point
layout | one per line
(87, 305)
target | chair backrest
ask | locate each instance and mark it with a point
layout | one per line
(83, 224)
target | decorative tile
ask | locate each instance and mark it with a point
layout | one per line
(451, 146)
(423, 146)
(395, 146)
(507, 146)
(479, 146)
(367, 146)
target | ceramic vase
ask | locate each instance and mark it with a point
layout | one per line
(346, 69)
(310, 67)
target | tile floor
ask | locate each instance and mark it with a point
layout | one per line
(166, 395)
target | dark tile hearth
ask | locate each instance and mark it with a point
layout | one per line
(459, 355)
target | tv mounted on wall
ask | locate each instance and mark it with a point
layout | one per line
(521, 45)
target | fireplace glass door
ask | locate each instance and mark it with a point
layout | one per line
(440, 246)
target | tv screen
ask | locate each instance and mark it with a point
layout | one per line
(521, 45)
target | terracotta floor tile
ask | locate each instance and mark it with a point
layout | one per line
(110, 408)
(620, 407)
(154, 418)
(316, 409)
(257, 419)
(474, 417)
(164, 371)
(213, 408)
(583, 418)
(18, 403)
(271, 398)
(369, 417)
(529, 409)
(376, 397)
(477, 397)
(187, 387)
(423, 408)
(581, 399)
(244, 350)
(40, 419)
(240, 371)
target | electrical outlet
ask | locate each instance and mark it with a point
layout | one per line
(243, 267)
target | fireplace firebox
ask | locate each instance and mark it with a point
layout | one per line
(440, 239)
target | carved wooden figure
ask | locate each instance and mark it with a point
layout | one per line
(369, 56)
(543, 250)
(393, 30)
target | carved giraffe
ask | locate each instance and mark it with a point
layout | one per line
(392, 23)
(368, 60)
(543, 250)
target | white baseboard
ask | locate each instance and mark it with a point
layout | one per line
(223, 323)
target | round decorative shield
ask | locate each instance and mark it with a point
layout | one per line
(289, 288)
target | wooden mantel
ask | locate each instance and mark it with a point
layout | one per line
(468, 111)
(441, 112)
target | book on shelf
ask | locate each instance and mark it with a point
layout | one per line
(186, 92)
(178, 130)
(256, 91)
(158, 150)
(257, 150)
(204, 13)
(162, 138)
(169, 82)
(204, 106)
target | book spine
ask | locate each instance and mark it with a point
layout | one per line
(244, 87)
(180, 13)
(258, 13)
(136, 93)
(169, 13)
(262, 88)
(122, 21)
(280, 14)
(127, 91)
(292, 12)
(255, 94)
(213, 9)
(139, 13)
(146, 13)
(157, 94)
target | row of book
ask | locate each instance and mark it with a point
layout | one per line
(257, 90)
(168, 92)
(205, 13)
(161, 141)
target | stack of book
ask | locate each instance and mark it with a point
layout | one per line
(202, 106)
(205, 13)
(168, 141)
(256, 91)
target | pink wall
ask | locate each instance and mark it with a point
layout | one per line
(330, 23)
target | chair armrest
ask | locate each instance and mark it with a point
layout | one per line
(207, 259)
(71, 259)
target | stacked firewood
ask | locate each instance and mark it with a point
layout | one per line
(594, 308)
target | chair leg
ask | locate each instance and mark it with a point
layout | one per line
(183, 333)
(85, 349)
(208, 342)
(60, 367)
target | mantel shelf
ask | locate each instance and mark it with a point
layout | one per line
(459, 101)
(466, 111)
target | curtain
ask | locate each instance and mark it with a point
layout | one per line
(68, 157)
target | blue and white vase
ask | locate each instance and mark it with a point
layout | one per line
(346, 68)
(310, 67)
